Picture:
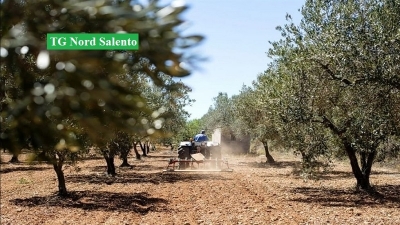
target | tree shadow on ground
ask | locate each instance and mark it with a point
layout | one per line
(334, 174)
(23, 168)
(147, 167)
(135, 178)
(123, 178)
(189, 177)
(277, 164)
(133, 166)
(389, 196)
(297, 170)
(98, 169)
(141, 203)
(384, 173)
(92, 157)
(163, 157)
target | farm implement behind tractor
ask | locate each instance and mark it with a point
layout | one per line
(198, 157)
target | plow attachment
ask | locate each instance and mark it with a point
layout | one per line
(198, 163)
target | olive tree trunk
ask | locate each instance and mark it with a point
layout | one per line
(125, 162)
(144, 149)
(57, 165)
(14, 158)
(136, 151)
(362, 173)
(270, 159)
(148, 147)
(124, 156)
(110, 165)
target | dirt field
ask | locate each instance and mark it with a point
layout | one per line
(254, 193)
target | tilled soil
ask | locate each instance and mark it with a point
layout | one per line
(254, 193)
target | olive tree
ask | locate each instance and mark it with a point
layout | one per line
(256, 108)
(341, 62)
(220, 115)
(85, 86)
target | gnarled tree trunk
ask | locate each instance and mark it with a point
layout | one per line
(110, 165)
(148, 147)
(125, 162)
(270, 159)
(14, 158)
(361, 175)
(144, 149)
(124, 156)
(57, 165)
(136, 151)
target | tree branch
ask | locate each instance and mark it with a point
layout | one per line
(395, 83)
(332, 74)
(327, 123)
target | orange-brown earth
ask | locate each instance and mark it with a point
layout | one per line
(254, 193)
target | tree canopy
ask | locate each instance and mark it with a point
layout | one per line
(41, 88)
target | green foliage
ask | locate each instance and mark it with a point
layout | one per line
(332, 89)
(222, 115)
(190, 129)
(120, 144)
(172, 100)
(342, 80)
(257, 107)
(42, 89)
(64, 101)
(389, 150)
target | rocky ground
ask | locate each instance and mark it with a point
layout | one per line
(254, 193)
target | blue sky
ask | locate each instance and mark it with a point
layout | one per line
(237, 34)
